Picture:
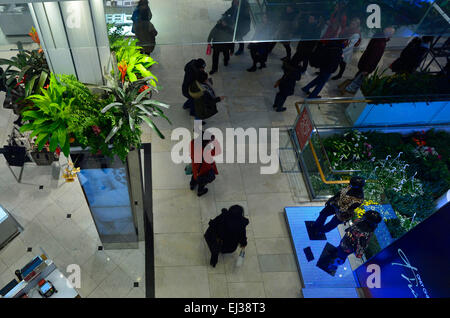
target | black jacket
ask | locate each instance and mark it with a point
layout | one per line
(205, 103)
(291, 75)
(225, 232)
(220, 34)
(190, 75)
(411, 57)
(2, 82)
(331, 58)
(244, 19)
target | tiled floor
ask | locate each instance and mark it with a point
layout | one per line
(180, 217)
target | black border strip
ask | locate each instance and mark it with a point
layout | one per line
(148, 223)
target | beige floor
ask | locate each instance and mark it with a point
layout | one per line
(180, 218)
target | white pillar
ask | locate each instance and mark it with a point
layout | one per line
(74, 37)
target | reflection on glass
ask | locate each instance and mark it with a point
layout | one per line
(105, 185)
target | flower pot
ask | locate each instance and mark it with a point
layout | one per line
(44, 158)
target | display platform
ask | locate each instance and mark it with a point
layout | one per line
(316, 280)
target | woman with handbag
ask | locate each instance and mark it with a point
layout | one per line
(226, 232)
(205, 171)
(205, 99)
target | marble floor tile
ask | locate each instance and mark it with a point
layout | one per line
(98, 266)
(282, 285)
(12, 252)
(218, 287)
(281, 245)
(229, 185)
(194, 280)
(118, 284)
(176, 211)
(98, 293)
(166, 174)
(246, 290)
(134, 266)
(277, 263)
(136, 292)
(178, 249)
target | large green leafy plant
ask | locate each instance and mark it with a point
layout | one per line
(26, 74)
(133, 105)
(132, 64)
(49, 117)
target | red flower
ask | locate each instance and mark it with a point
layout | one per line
(96, 130)
(439, 157)
(58, 151)
(143, 88)
(99, 152)
(46, 86)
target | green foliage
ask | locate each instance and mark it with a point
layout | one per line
(373, 248)
(115, 33)
(128, 55)
(133, 105)
(395, 228)
(50, 116)
(417, 83)
(26, 73)
(344, 149)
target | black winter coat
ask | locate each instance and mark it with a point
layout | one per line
(220, 34)
(410, 58)
(372, 55)
(244, 19)
(225, 232)
(190, 75)
(331, 58)
(291, 75)
(205, 103)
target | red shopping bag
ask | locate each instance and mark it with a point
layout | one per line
(208, 49)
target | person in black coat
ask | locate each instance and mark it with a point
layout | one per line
(286, 84)
(2, 81)
(310, 33)
(331, 57)
(412, 55)
(226, 232)
(205, 99)
(191, 73)
(243, 23)
(221, 37)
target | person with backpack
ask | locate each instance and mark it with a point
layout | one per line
(204, 169)
(205, 99)
(145, 30)
(341, 206)
(352, 37)
(286, 84)
(357, 237)
(226, 232)
(221, 37)
(191, 73)
(412, 55)
(330, 58)
(243, 21)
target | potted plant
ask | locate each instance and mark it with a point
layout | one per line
(25, 74)
(400, 99)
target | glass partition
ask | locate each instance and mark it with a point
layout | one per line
(106, 187)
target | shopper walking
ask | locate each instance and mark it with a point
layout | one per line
(341, 206)
(260, 50)
(370, 58)
(285, 31)
(310, 33)
(204, 169)
(221, 37)
(191, 73)
(242, 15)
(142, 5)
(205, 99)
(145, 30)
(357, 237)
(331, 57)
(226, 232)
(352, 37)
(286, 84)
(412, 55)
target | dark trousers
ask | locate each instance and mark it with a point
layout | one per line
(194, 182)
(287, 46)
(257, 57)
(217, 49)
(319, 224)
(319, 82)
(342, 67)
(280, 99)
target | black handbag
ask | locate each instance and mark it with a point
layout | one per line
(14, 155)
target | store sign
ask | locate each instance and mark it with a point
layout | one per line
(303, 128)
(414, 266)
